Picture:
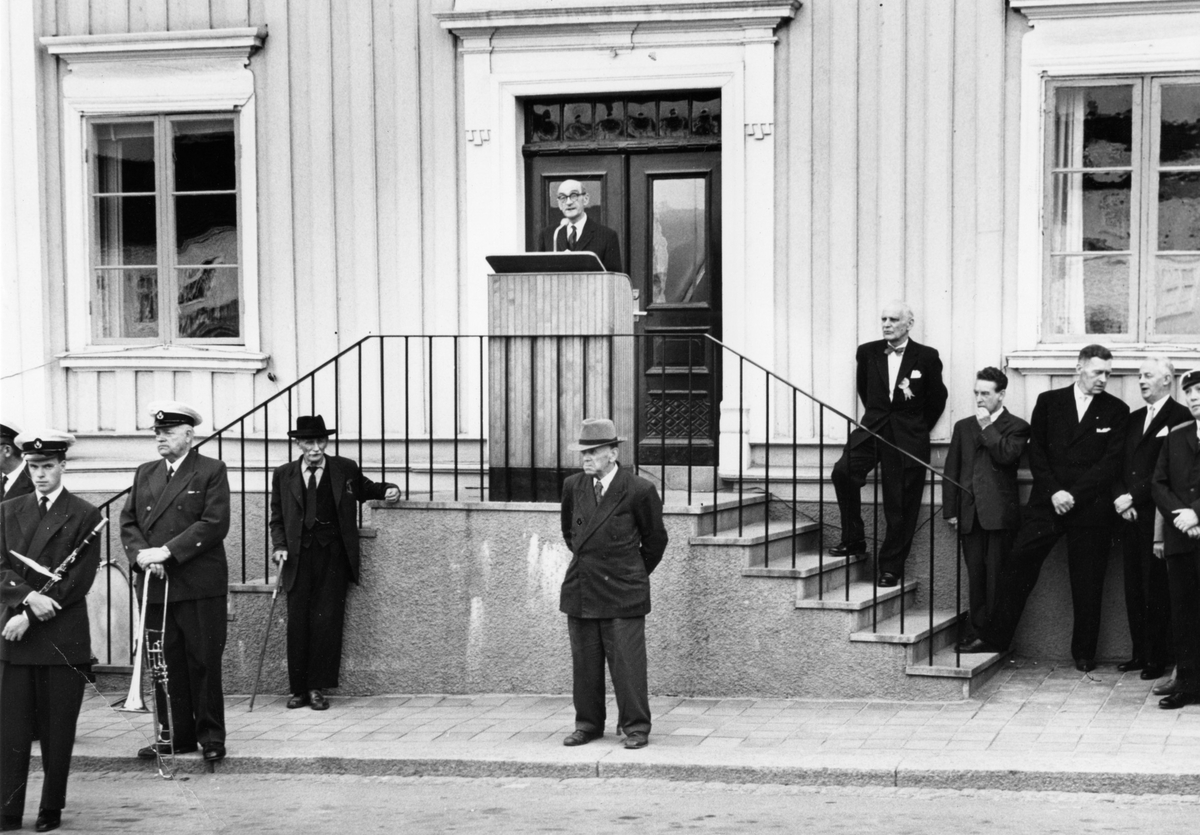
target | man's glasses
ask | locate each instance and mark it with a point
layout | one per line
(575, 195)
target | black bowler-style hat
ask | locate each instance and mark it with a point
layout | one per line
(596, 432)
(311, 426)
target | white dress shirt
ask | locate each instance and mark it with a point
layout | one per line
(1082, 401)
(320, 472)
(1152, 410)
(13, 476)
(894, 360)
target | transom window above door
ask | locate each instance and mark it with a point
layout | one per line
(1121, 212)
(685, 119)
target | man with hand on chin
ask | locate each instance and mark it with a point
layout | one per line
(579, 233)
(1176, 491)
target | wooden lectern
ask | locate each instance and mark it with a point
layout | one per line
(565, 352)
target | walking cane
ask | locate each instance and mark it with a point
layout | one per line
(266, 638)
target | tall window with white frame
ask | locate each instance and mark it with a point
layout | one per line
(165, 247)
(1121, 219)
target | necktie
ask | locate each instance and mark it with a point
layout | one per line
(310, 499)
(599, 487)
(43, 506)
(571, 237)
(897, 351)
(1149, 419)
(170, 472)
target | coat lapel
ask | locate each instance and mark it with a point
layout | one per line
(337, 479)
(616, 491)
(589, 231)
(881, 365)
(295, 480)
(171, 489)
(55, 518)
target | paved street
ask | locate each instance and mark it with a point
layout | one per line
(124, 803)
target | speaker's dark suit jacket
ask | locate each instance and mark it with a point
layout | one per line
(1081, 457)
(595, 238)
(349, 486)
(985, 462)
(910, 417)
(22, 486)
(65, 638)
(1142, 448)
(189, 515)
(615, 547)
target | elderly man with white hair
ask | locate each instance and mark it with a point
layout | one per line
(1147, 598)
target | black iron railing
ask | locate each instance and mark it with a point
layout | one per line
(491, 418)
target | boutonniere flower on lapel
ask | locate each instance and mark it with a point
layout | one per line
(906, 387)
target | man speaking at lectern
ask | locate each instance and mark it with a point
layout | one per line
(575, 233)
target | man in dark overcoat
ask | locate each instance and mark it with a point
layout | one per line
(984, 455)
(174, 525)
(1147, 594)
(14, 477)
(45, 648)
(1176, 491)
(578, 232)
(1077, 437)
(314, 534)
(612, 522)
(900, 384)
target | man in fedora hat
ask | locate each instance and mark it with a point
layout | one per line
(45, 642)
(612, 522)
(174, 525)
(314, 534)
(14, 477)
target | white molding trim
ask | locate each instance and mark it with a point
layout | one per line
(167, 358)
(677, 14)
(1061, 361)
(1062, 46)
(1037, 10)
(157, 72)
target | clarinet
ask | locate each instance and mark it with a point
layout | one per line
(65, 564)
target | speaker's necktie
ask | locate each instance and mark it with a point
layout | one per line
(310, 499)
(571, 237)
(43, 506)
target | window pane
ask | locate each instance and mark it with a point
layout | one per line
(206, 229)
(1093, 127)
(1177, 308)
(577, 121)
(1179, 211)
(1090, 212)
(126, 230)
(1180, 143)
(126, 304)
(124, 157)
(208, 303)
(204, 155)
(1088, 295)
(680, 249)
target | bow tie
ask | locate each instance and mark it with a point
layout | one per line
(897, 351)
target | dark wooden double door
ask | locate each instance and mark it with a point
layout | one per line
(666, 209)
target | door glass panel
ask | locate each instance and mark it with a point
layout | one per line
(679, 254)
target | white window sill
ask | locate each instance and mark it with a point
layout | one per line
(167, 358)
(1062, 360)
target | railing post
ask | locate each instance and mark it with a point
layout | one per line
(766, 467)
(242, 462)
(932, 583)
(875, 547)
(741, 436)
(482, 450)
(267, 491)
(691, 423)
(454, 417)
(430, 395)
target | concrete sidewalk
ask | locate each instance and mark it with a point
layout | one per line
(1033, 727)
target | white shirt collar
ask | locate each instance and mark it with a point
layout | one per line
(1153, 408)
(178, 462)
(53, 497)
(903, 345)
(578, 224)
(606, 481)
(304, 465)
(12, 477)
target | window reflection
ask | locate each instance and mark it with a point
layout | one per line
(680, 246)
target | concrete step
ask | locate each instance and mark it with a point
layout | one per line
(868, 604)
(974, 670)
(816, 577)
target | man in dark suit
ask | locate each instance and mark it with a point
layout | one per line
(579, 233)
(1147, 595)
(985, 452)
(1076, 443)
(1176, 491)
(14, 478)
(314, 534)
(46, 645)
(612, 522)
(174, 525)
(900, 385)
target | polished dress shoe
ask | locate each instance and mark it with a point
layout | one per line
(1085, 665)
(1178, 699)
(213, 751)
(299, 700)
(977, 645)
(848, 549)
(580, 738)
(636, 740)
(318, 700)
(887, 580)
(1153, 671)
(1131, 665)
(164, 750)
(9, 822)
(1167, 688)
(48, 819)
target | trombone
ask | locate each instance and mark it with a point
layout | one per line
(150, 647)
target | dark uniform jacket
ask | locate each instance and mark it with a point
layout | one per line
(911, 418)
(1143, 447)
(1083, 458)
(615, 547)
(22, 486)
(349, 486)
(1176, 485)
(985, 462)
(594, 238)
(189, 515)
(65, 638)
